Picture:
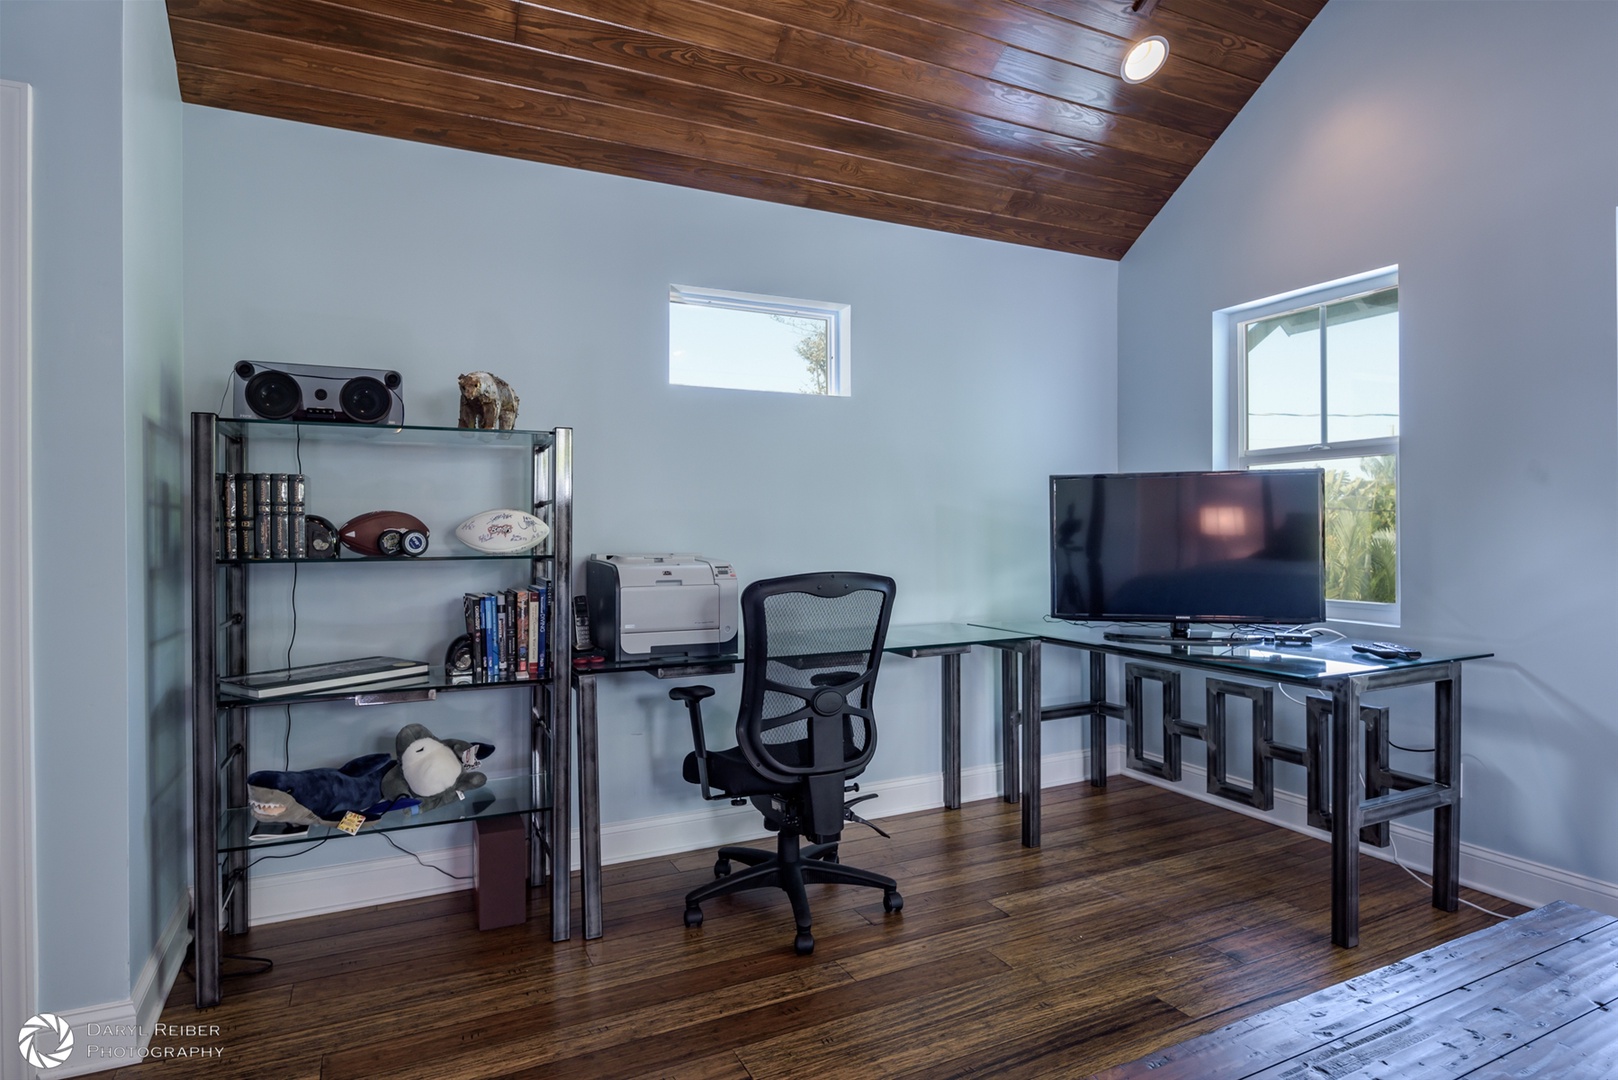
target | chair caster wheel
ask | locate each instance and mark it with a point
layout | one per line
(693, 917)
(892, 901)
(804, 943)
(721, 868)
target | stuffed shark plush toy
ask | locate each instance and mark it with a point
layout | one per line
(426, 773)
(432, 770)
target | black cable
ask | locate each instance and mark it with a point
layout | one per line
(265, 960)
(428, 865)
(189, 966)
(1412, 749)
(289, 855)
(286, 744)
(294, 637)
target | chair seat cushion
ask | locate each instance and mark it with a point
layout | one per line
(729, 772)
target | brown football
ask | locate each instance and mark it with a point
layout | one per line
(384, 532)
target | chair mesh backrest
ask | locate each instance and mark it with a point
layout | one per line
(805, 635)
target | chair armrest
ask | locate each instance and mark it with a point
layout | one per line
(692, 696)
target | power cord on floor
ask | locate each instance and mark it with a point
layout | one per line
(1393, 846)
(428, 865)
(264, 963)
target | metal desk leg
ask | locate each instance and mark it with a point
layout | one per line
(1347, 763)
(1098, 720)
(561, 832)
(589, 808)
(1031, 723)
(1447, 771)
(1011, 786)
(951, 692)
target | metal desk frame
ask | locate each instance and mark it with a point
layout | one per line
(1346, 808)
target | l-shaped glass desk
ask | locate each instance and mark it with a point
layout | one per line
(1334, 759)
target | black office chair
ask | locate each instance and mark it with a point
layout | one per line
(804, 730)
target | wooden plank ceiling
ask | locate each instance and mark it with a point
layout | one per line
(983, 117)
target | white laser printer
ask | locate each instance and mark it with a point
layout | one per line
(643, 605)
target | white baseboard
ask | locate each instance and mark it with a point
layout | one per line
(1506, 876)
(300, 893)
(158, 973)
(118, 1033)
(297, 894)
(710, 826)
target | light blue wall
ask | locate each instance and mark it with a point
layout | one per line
(1473, 145)
(979, 369)
(154, 471)
(109, 652)
(72, 56)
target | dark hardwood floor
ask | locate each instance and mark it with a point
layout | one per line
(1145, 919)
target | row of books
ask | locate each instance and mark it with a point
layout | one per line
(261, 516)
(508, 631)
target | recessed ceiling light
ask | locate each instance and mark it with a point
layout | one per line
(1144, 58)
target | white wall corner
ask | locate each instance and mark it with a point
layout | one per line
(119, 1033)
(157, 975)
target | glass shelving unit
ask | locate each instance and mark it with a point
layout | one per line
(222, 618)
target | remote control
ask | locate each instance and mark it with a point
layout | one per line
(1387, 650)
(1403, 650)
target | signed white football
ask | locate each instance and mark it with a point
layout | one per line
(502, 532)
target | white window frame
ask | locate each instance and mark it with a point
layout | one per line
(839, 318)
(1230, 426)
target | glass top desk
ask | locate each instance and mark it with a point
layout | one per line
(948, 641)
(1333, 676)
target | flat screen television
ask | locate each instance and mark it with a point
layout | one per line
(1190, 547)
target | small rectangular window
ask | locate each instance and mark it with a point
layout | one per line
(744, 341)
(1317, 385)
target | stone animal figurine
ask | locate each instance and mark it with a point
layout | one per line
(487, 401)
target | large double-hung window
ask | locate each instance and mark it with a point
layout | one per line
(1317, 385)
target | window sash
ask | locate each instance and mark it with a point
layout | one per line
(1320, 452)
(1318, 303)
(1233, 440)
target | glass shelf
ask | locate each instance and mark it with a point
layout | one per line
(498, 798)
(433, 683)
(349, 559)
(1318, 664)
(382, 434)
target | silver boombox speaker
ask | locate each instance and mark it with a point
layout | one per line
(312, 392)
